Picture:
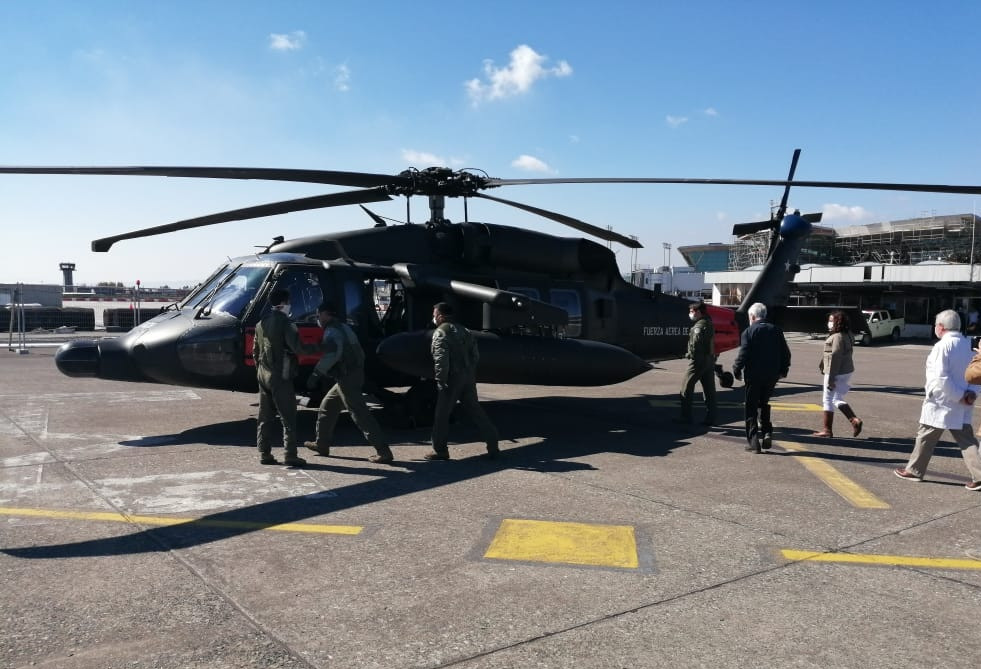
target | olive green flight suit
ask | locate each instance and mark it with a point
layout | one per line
(455, 358)
(701, 369)
(344, 360)
(277, 342)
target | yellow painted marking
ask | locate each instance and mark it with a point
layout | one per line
(795, 406)
(895, 560)
(569, 543)
(855, 494)
(112, 517)
(775, 406)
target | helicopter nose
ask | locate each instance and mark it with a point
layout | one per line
(78, 358)
(105, 359)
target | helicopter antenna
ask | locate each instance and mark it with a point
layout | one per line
(278, 239)
(379, 221)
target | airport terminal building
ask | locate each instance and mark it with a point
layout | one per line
(914, 267)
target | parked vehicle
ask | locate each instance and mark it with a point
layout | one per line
(881, 324)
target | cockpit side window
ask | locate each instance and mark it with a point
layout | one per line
(354, 294)
(306, 292)
(569, 300)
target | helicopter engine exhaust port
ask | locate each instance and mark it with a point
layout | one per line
(520, 359)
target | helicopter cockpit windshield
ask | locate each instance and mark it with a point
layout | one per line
(196, 297)
(238, 290)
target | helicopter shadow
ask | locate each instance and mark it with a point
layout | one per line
(240, 432)
(588, 426)
(231, 433)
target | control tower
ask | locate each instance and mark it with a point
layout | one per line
(67, 269)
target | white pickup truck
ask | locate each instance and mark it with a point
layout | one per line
(881, 325)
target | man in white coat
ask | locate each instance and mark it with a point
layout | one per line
(948, 403)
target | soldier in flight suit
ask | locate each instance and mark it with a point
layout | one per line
(455, 359)
(277, 343)
(344, 361)
(701, 365)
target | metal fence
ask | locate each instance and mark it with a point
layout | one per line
(47, 318)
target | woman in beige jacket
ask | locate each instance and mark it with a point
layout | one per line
(837, 367)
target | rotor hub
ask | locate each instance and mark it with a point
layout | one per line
(436, 181)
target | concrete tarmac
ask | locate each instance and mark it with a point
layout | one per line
(137, 529)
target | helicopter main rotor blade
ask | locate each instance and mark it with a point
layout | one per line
(859, 185)
(272, 209)
(353, 179)
(581, 226)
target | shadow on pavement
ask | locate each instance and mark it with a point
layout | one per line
(589, 425)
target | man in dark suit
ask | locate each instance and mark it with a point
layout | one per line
(765, 357)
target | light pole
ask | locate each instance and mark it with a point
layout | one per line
(667, 254)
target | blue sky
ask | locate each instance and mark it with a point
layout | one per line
(868, 91)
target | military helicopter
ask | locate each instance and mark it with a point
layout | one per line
(545, 310)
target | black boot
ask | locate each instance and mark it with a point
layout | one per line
(382, 456)
(852, 418)
(292, 459)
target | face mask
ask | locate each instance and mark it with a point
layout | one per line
(435, 322)
(692, 316)
(831, 325)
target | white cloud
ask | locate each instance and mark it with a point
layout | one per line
(531, 164)
(675, 121)
(721, 216)
(710, 111)
(526, 67)
(291, 42)
(574, 139)
(839, 212)
(422, 159)
(342, 78)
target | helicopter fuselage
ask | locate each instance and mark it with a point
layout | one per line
(545, 310)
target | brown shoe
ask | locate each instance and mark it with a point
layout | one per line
(321, 450)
